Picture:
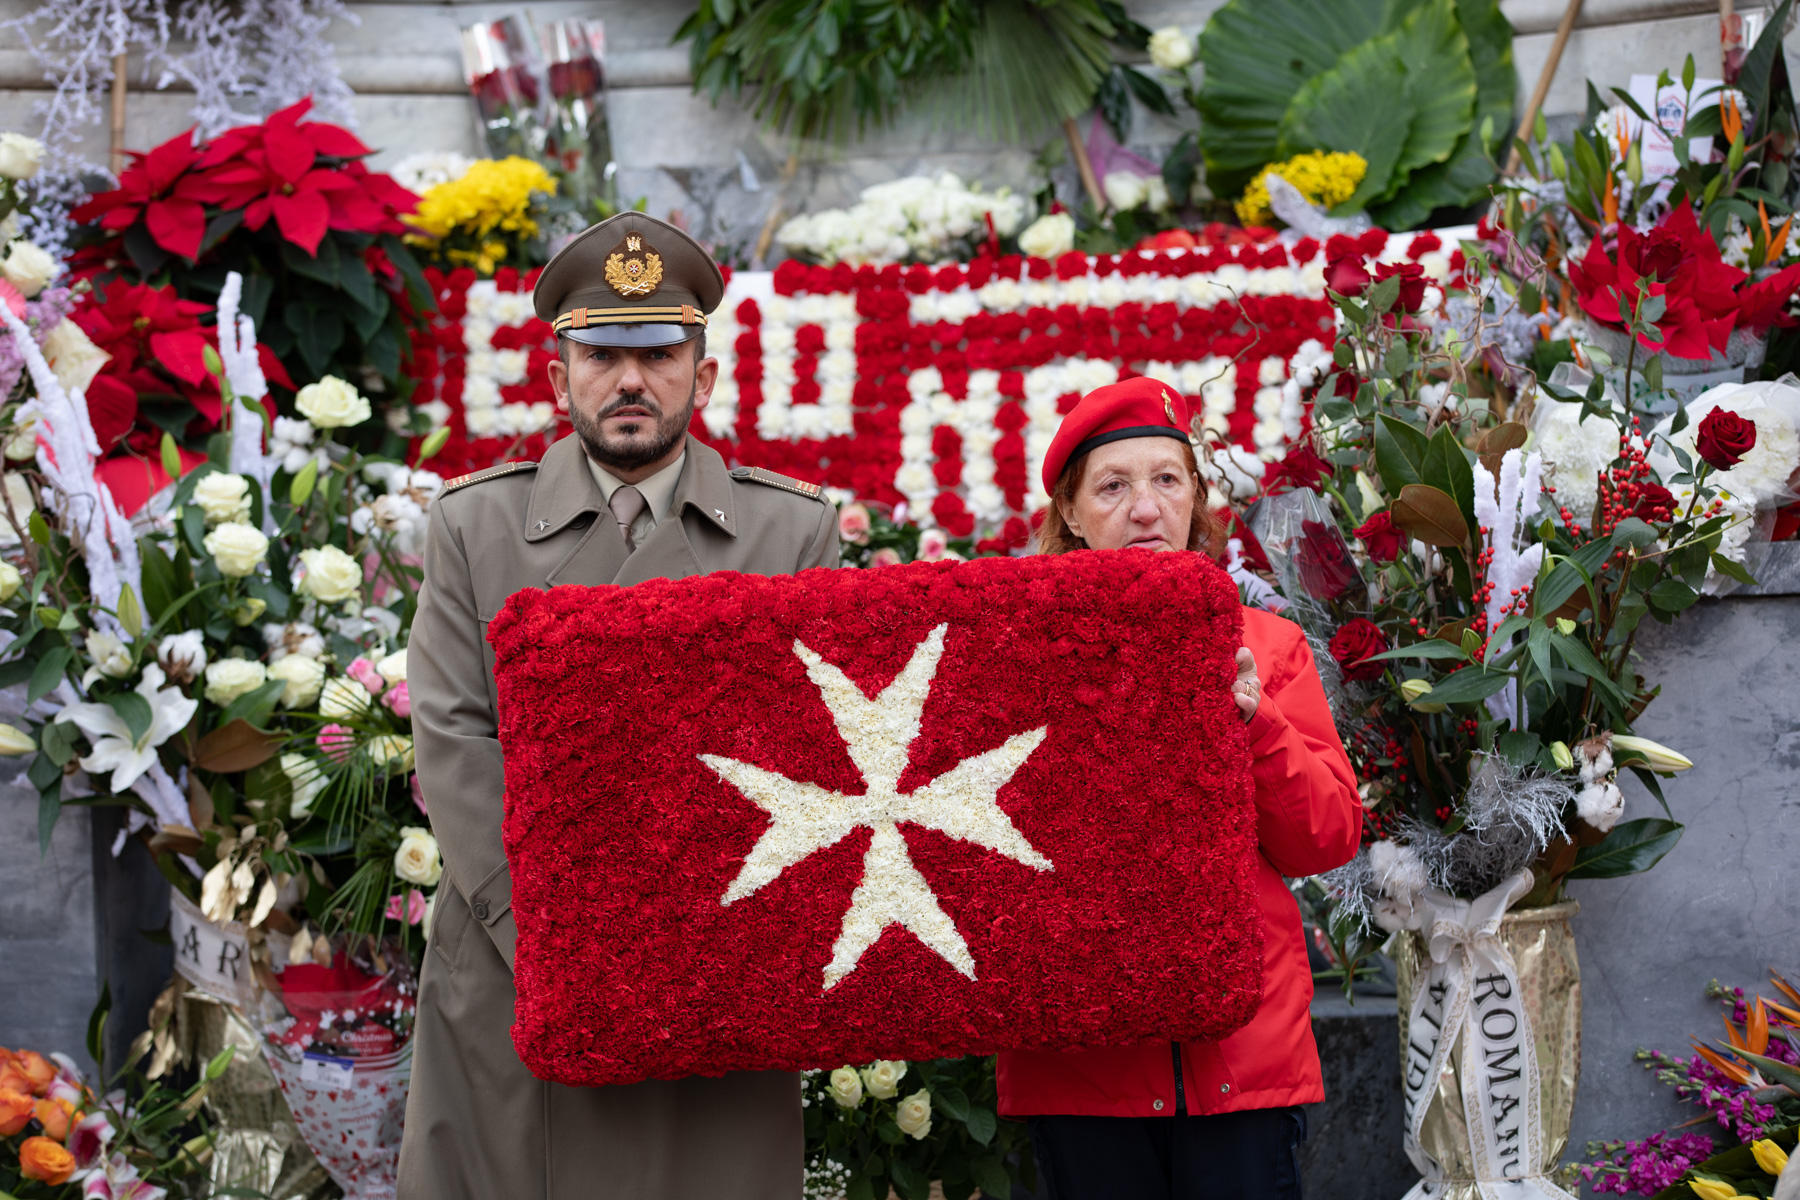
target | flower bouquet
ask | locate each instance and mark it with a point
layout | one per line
(905, 1126)
(1748, 1083)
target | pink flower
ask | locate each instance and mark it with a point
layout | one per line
(415, 907)
(337, 741)
(418, 794)
(854, 524)
(887, 556)
(364, 672)
(88, 1140)
(932, 545)
(399, 700)
(13, 298)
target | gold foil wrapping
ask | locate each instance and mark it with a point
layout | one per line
(1543, 949)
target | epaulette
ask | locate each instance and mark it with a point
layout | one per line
(510, 468)
(786, 483)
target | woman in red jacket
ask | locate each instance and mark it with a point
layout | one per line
(1195, 1120)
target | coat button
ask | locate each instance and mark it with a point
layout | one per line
(1157, 1106)
(1224, 1087)
(481, 910)
(740, 472)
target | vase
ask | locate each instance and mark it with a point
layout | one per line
(1684, 377)
(1522, 976)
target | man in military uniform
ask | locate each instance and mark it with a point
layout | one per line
(630, 497)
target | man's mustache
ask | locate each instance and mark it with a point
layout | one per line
(631, 400)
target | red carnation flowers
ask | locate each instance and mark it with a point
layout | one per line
(1704, 298)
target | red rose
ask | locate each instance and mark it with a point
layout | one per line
(1346, 276)
(1412, 284)
(1355, 642)
(1301, 468)
(1655, 503)
(1381, 538)
(1724, 439)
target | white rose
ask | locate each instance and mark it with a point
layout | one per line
(27, 267)
(332, 403)
(1049, 236)
(1156, 193)
(846, 1087)
(306, 780)
(392, 752)
(1171, 49)
(304, 678)
(331, 575)
(20, 156)
(393, 668)
(882, 1078)
(236, 547)
(223, 497)
(417, 860)
(10, 581)
(913, 1115)
(73, 359)
(182, 655)
(342, 697)
(1124, 189)
(230, 678)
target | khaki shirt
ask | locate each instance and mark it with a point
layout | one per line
(478, 1124)
(658, 492)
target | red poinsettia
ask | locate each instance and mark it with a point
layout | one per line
(1704, 298)
(156, 346)
(305, 175)
(158, 188)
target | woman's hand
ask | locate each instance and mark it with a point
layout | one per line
(1247, 691)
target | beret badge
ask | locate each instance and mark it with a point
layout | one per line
(633, 268)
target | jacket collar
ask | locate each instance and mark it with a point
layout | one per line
(565, 489)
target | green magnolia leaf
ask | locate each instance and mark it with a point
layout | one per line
(1470, 683)
(982, 1125)
(1429, 648)
(1632, 846)
(1399, 453)
(990, 1176)
(1355, 106)
(48, 673)
(1446, 467)
(1257, 55)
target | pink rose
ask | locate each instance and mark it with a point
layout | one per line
(933, 543)
(337, 741)
(415, 907)
(887, 556)
(418, 794)
(854, 524)
(364, 672)
(398, 700)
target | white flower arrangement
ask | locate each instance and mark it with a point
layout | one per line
(918, 218)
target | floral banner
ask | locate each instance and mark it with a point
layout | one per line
(857, 815)
(939, 388)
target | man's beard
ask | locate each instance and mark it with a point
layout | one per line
(667, 431)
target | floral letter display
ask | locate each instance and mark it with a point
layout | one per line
(797, 821)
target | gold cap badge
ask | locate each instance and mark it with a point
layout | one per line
(1169, 408)
(633, 268)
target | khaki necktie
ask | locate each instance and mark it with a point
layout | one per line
(626, 504)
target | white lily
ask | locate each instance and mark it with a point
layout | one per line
(114, 748)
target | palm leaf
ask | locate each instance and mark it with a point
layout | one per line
(1032, 64)
(1258, 54)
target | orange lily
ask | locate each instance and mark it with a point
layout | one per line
(1729, 1069)
(1733, 1036)
(1731, 119)
(1787, 988)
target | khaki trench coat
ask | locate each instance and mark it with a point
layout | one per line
(478, 1124)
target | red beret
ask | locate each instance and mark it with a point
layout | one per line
(1141, 407)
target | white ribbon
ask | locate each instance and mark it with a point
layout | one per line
(243, 371)
(1472, 988)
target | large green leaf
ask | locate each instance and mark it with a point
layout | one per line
(1464, 177)
(1632, 846)
(1440, 83)
(1257, 55)
(1361, 105)
(1031, 64)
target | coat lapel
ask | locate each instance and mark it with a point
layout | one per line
(563, 500)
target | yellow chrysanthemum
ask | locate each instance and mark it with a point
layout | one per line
(493, 196)
(1323, 178)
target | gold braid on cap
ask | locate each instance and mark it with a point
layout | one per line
(671, 314)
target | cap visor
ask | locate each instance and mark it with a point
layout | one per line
(659, 334)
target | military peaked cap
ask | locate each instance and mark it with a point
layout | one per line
(631, 280)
